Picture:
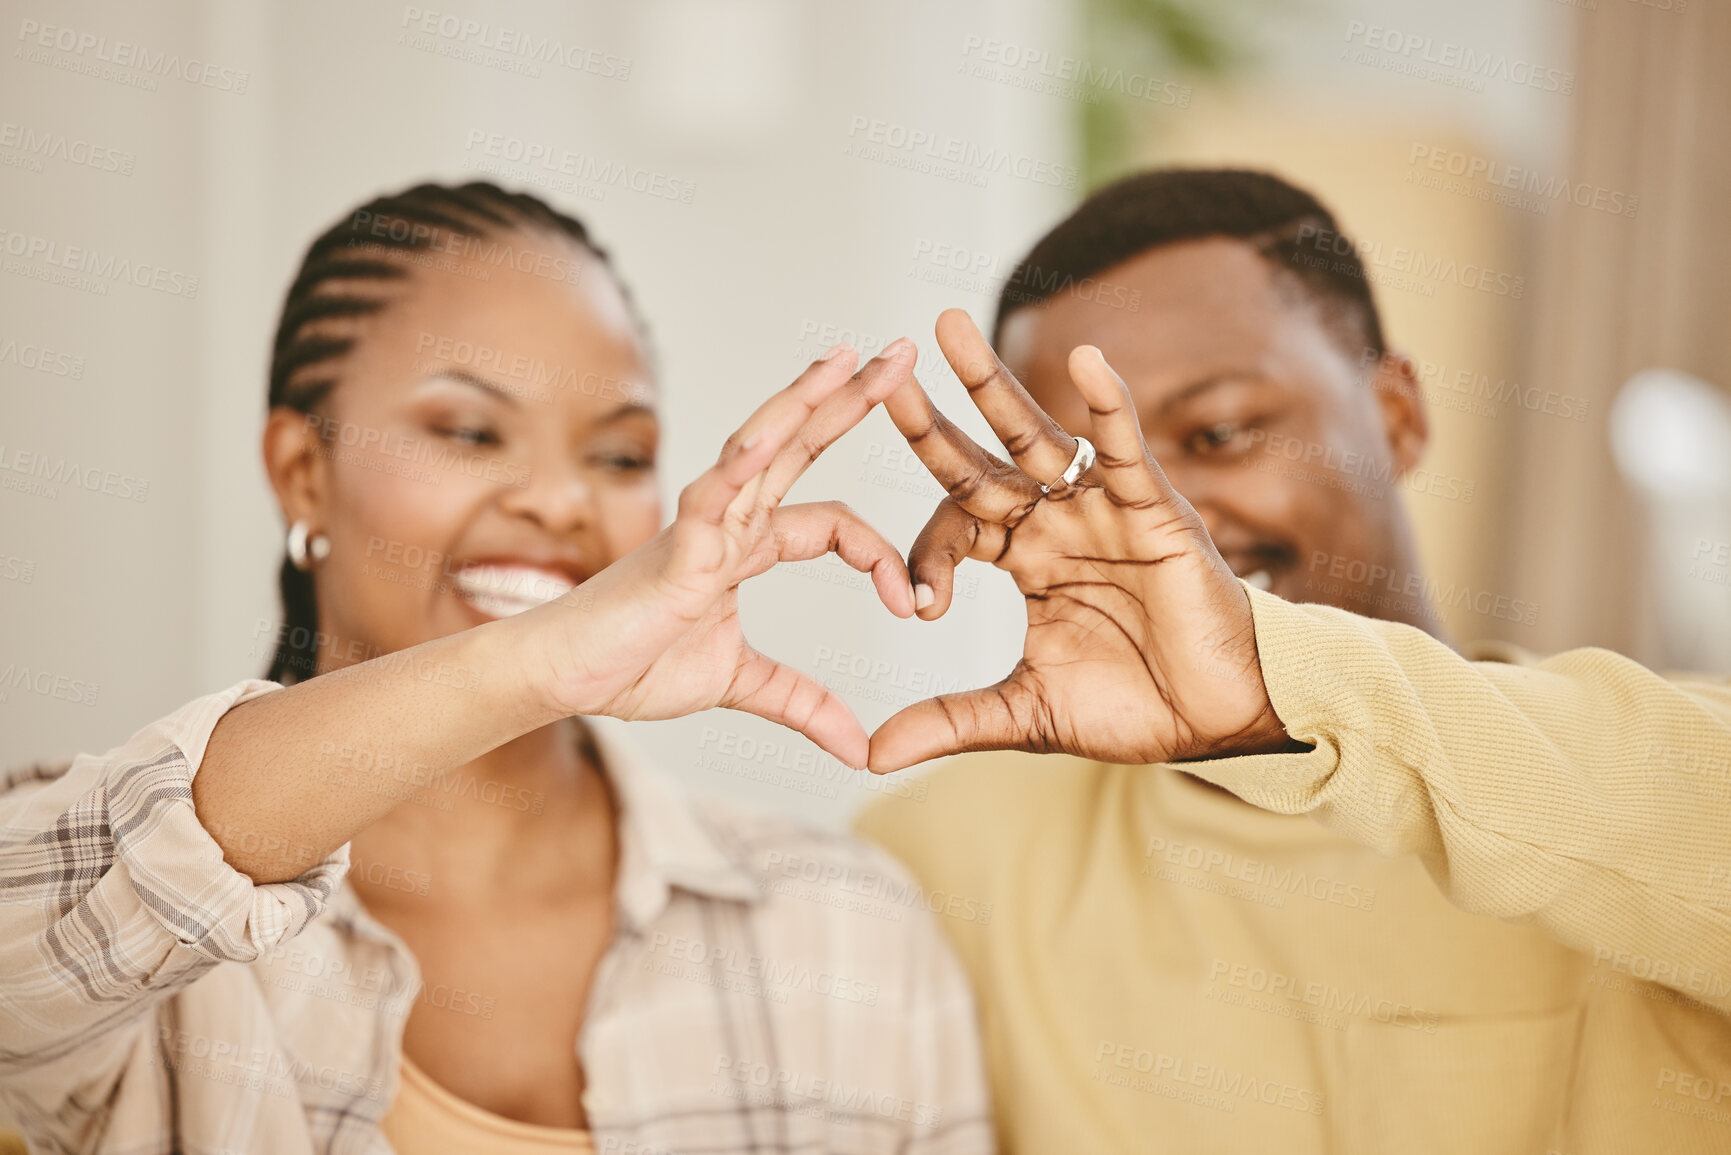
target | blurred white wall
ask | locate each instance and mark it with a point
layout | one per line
(787, 244)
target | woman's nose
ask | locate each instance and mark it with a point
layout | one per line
(554, 494)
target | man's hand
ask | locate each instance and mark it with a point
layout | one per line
(1140, 645)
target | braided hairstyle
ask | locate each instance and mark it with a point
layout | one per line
(342, 280)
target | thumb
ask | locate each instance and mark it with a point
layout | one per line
(996, 717)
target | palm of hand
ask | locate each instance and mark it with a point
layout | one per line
(1140, 646)
(1108, 669)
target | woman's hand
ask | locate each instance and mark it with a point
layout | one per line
(1140, 645)
(657, 634)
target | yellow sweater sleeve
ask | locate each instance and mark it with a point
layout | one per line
(1583, 794)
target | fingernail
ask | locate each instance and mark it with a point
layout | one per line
(923, 596)
(897, 350)
(836, 351)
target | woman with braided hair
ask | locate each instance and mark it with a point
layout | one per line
(416, 891)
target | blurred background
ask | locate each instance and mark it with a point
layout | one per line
(1578, 149)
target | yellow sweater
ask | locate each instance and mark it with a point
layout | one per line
(1490, 912)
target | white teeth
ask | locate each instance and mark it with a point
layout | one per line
(1259, 579)
(505, 590)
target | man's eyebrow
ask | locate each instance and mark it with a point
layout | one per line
(1196, 388)
(468, 378)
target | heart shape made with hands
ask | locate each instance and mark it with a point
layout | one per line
(1140, 645)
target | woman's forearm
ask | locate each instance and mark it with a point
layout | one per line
(290, 776)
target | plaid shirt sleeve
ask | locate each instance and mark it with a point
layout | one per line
(113, 897)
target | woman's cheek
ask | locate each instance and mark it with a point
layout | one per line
(388, 540)
(630, 516)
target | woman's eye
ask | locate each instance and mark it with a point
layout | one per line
(624, 462)
(469, 435)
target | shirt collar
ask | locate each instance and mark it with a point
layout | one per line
(663, 841)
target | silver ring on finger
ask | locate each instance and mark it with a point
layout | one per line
(1079, 465)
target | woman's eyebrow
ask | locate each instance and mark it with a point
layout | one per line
(467, 378)
(629, 409)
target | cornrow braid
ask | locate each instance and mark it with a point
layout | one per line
(342, 280)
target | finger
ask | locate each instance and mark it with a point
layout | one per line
(997, 717)
(1037, 444)
(807, 531)
(754, 445)
(789, 698)
(952, 535)
(985, 485)
(1122, 462)
(840, 412)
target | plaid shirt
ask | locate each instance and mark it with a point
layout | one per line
(769, 988)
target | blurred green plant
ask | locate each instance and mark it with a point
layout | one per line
(1174, 43)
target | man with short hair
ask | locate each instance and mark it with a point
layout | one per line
(1394, 899)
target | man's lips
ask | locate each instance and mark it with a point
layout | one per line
(502, 589)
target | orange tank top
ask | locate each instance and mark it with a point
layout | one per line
(426, 1119)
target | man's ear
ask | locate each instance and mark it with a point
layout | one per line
(295, 462)
(1400, 399)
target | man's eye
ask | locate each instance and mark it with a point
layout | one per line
(1215, 438)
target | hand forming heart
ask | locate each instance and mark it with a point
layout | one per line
(1140, 644)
